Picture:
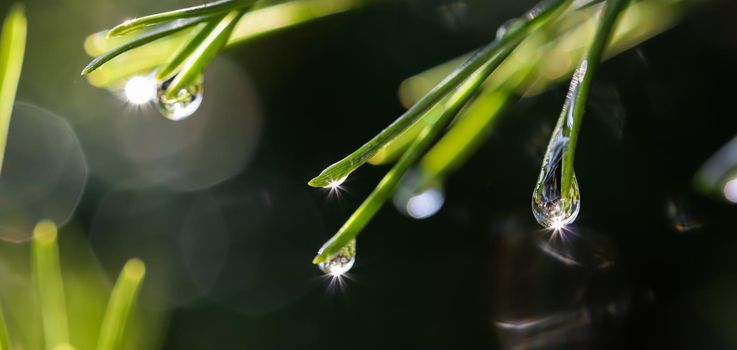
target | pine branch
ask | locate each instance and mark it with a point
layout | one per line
(340, 170)
(452, 104)
(121, 303)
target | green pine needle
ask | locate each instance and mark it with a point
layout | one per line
(203, 53)
(452, 104)
(607, 22)
(185, 51)
(525, 24)
(213, 8)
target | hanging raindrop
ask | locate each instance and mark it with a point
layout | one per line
(549, 206)
(341, 262)
(184, 104)
(418, 200)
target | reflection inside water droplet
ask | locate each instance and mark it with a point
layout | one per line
(184, 104)
(341, 262)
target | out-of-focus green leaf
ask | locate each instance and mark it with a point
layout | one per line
(4, 336)
(47, 274)
(121, 303)
(12, 49)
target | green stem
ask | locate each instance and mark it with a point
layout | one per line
(583, 78)
(121, 303)
(12, 49)
(50, 286)
(486, 55)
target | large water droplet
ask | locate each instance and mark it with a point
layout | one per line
(340, 262)
(549, 206)
(184, 104)
(417, 199)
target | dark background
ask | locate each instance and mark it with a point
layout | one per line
(472, 276)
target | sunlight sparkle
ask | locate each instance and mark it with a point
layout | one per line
(140, 90)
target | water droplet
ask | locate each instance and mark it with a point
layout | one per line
(549, 206)
(418, 200)
(507, 27)
(340, 262)
(184, 104)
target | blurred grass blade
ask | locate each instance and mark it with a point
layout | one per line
(4, 336)
(64, 347)
(145, 38)
(12, 49)
(186, 51)
(120, 305)
(384, 190)
(579, 97)
(212, 8)
(204, 53)
(47, 275)
(531, 20)
(281, 16)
